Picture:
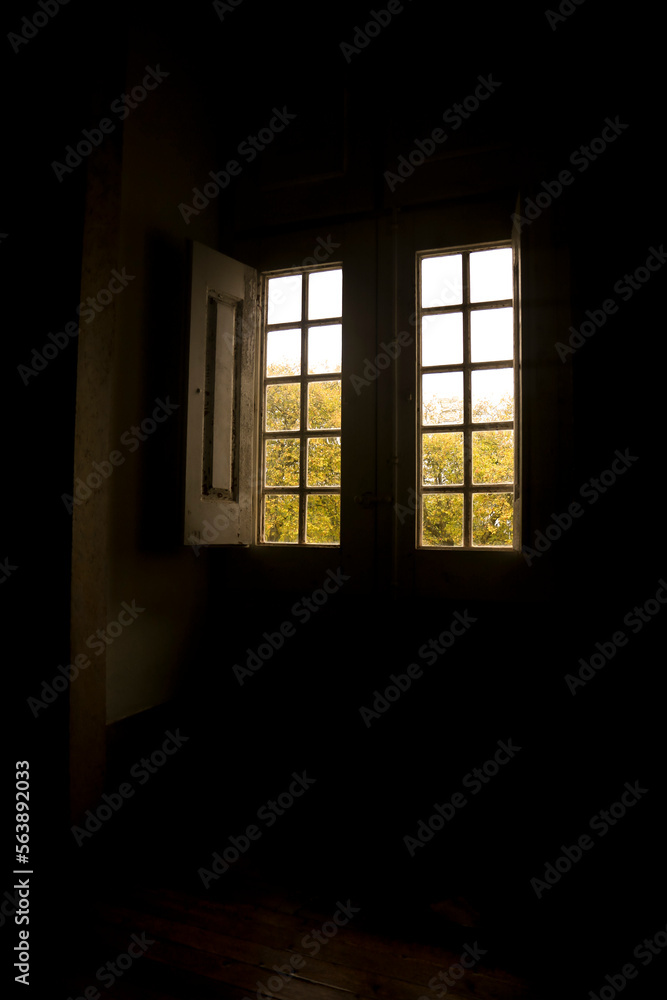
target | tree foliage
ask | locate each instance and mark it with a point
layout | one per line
(443, 465)
(284, 455)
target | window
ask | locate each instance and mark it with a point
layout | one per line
(401, 346)
(300, 419)
(466, 456)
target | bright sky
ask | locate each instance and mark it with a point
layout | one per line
(492, 333)
(491, 330)
(325, 300)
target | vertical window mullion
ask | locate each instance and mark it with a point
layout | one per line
(303, 442)
(467, 407)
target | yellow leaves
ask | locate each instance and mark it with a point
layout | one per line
(283, 456)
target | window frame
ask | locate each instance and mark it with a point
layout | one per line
(468, 426)
(303, 379)
(373, 245)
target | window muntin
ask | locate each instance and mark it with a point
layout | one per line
(300, 418)
(466, 379)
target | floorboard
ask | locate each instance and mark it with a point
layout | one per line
(254, 940)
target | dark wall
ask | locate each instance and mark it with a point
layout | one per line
(505, 678)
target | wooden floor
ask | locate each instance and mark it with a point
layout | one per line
(226, 943)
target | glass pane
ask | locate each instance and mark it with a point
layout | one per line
(491, 275)
(493, 457)
(442, 398)
(283, 297)
(442, 519)
(282, 462)
(281, 519)
(324, 462)
(492, 515)
(283, 352)
(323, 518)
(442, 459)
(282, 407)
(492, 335)
(325, 294)
(493, 394)
(441, 281)
(324, 349)
(442, 339)
(324, 405)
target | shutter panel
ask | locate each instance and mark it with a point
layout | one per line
(220, 400)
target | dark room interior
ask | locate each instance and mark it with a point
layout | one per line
(377, 766)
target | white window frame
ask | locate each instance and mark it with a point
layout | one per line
(468, 488)
(303, 379)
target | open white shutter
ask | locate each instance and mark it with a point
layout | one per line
(220, 401)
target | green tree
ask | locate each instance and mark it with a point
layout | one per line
(442, 465)
(283, 458)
